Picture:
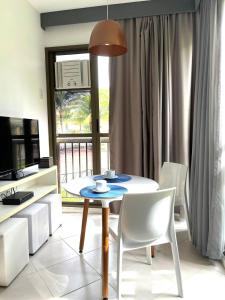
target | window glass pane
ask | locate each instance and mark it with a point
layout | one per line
(80, 56)
(103, 85)
(73, 112)
(105, 154)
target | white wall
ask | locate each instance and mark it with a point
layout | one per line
(22, 66)
(66, 35)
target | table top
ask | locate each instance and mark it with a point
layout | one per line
(137, 184)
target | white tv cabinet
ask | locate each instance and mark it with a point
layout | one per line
(41, 183)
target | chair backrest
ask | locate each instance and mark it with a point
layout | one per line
(146, 217)
(174, 175)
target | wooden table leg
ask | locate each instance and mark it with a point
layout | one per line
(105, 252)
(84, 223)
(153, 251)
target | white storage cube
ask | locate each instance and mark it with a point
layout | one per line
(38, 228)
(54, 202)
(14, 249)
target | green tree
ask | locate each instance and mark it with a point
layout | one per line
(81, 110)
(104, 108)
(73, 106)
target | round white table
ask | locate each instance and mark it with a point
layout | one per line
(135, 185)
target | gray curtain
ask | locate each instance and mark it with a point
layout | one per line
(150, 95)
(207, 183)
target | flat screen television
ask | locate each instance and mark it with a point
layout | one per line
(19, 146)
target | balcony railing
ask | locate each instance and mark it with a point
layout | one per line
(75, 158)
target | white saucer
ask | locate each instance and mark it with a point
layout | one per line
(114, 177)
(100, 192)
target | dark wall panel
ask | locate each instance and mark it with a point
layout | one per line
(118, 11)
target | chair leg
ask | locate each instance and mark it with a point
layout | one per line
(187, 219)
(149, 255)
(177, 264)
(119, 268)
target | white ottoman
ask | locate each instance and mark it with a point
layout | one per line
(54, 202)
(14, 249)
(38, 229)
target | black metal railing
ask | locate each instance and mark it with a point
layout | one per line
(75, 158)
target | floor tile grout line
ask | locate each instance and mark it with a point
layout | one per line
(92, 267)
(97, 273)
(80, 288)
(110, 242)
(60, 262)
(71, 248)
(112, 287)
(75, 253)
(42, 279)
(77, 288)
(32, 272)
(188, 268)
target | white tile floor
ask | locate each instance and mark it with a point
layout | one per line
(58, 270)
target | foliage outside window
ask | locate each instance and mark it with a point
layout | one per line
(73, 112)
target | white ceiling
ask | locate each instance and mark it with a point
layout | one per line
(55, 5)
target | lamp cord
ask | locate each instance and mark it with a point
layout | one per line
(107, 9)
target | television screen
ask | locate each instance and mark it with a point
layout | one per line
(19, 144)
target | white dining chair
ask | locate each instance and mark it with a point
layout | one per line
(147, 220)
(175, 175)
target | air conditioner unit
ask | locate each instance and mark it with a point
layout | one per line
(72, 74)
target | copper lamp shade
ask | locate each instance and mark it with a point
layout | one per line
(107, 39)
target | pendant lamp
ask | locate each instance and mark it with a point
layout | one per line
(107, 39)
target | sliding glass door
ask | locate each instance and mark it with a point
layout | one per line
(79, 109)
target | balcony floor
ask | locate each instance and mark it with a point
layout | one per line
(58, 270)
